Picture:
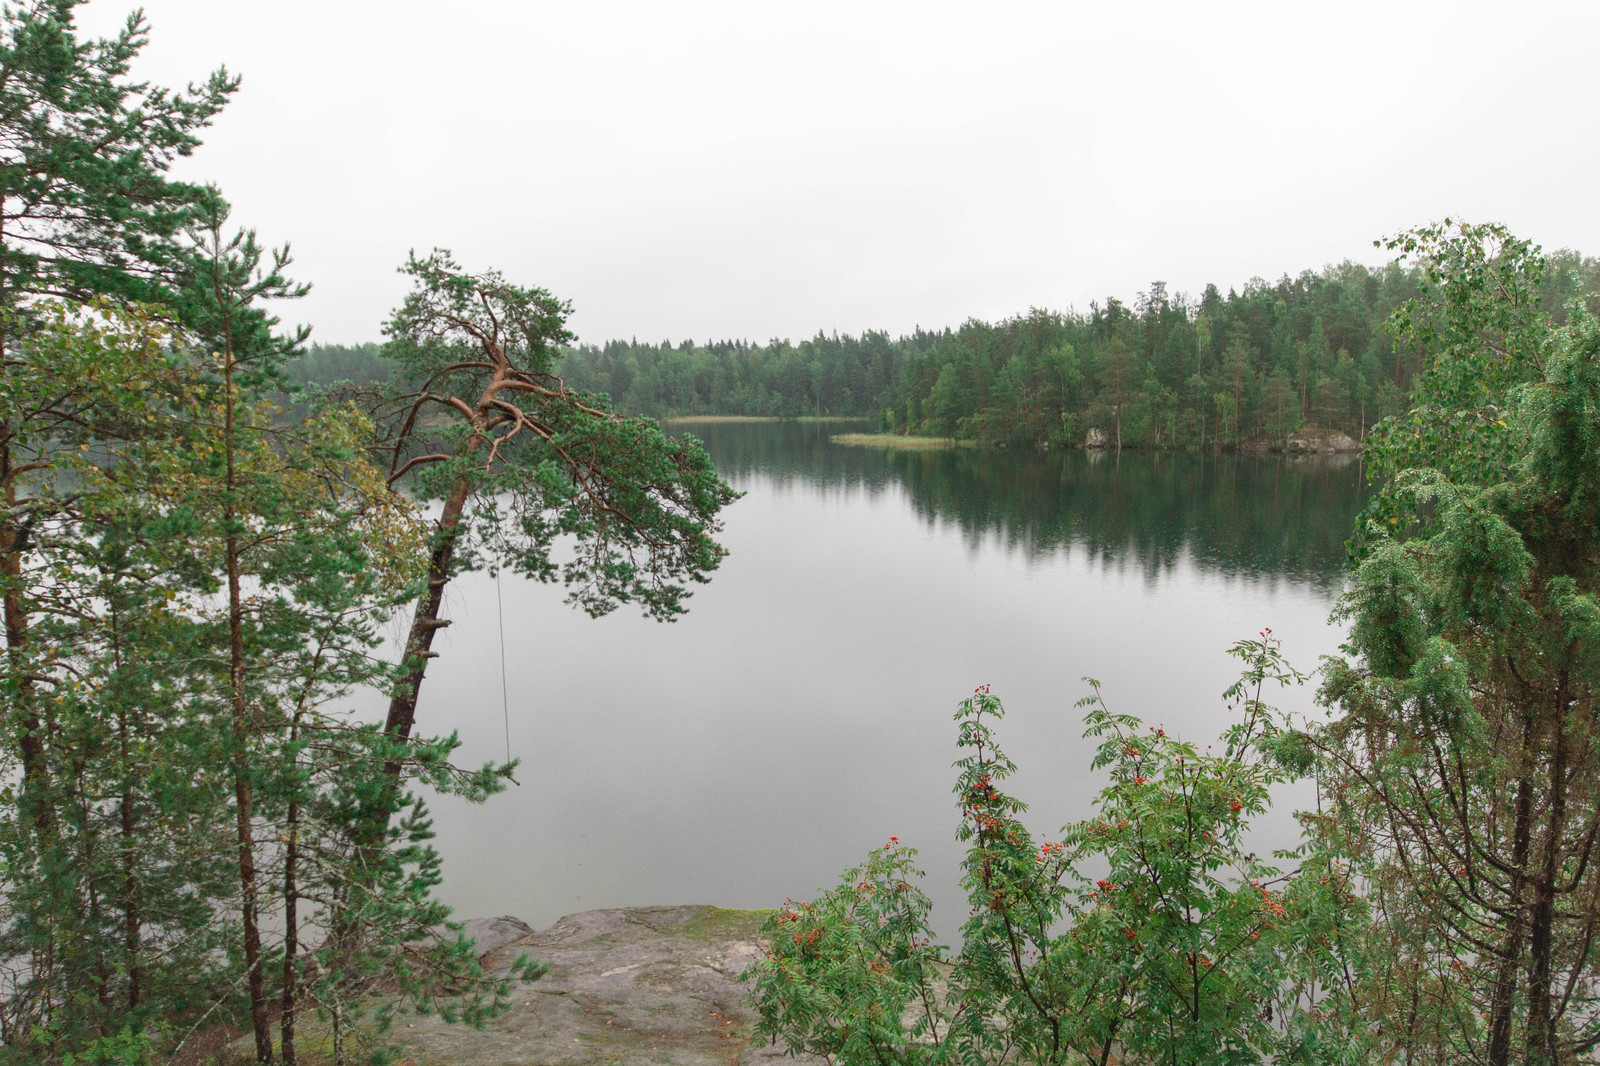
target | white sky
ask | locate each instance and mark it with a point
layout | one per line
(762, 169)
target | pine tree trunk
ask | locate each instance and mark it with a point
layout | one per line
(290, 1004)
(1505, 984)
(426, 622)
(255, 979)
(29, 727)
(402, 716)
(291, 936)
(35, 775)
(131, 917)
(37, 803)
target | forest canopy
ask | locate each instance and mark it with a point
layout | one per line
(1164, 370)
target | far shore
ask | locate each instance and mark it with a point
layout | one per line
(1307, 442)
(680, 420)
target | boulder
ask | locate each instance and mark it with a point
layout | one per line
(1096, 438)
(492, 933)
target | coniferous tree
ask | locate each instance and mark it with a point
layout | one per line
(1463, 763)
(86, 209)
(523, 459)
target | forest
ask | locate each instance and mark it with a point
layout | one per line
(1167, 370)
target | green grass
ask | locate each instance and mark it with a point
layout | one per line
(894, 440)
(710, 923)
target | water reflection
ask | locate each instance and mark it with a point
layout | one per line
(1269, 515)
(801, 712)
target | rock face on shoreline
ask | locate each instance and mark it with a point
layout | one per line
(1323, 440)
(654, 986)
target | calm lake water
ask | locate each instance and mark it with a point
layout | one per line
(801, 713)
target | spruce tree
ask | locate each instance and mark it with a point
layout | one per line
(1463, 767)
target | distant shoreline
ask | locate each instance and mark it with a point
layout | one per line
(683, 420)
(1306, 442)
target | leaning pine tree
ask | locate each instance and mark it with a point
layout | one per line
(518, 461)
(303, 543)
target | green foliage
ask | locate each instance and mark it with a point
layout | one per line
(1042, 378)
(1311, 350)
(123, 908)
(853, 976)
(1146, 933)
(413, 959)
(1460, 769)
(193, 588)
(87, 207)
(127, 1048)
(518, 460)
(1481, 333)
(541, 461)
(330, 364)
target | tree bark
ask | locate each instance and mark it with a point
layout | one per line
(131, 916)
(426, 622)
(1505, 984)
(30, 729)
(1541, 1007)
(255, 979)
(291, 938)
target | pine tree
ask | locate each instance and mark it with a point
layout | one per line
(523, 460)
(86, 209)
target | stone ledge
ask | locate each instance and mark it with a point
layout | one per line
(652, 986)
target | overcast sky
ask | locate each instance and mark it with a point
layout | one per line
(759, 170)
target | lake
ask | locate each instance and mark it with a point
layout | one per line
(801, 712)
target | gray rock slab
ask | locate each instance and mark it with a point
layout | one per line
(653, 986)
(492, 933)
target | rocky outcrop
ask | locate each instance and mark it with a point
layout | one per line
(1323, 440)
(1095, 438)
(646, 985)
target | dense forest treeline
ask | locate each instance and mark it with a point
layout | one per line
(1167, 370)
